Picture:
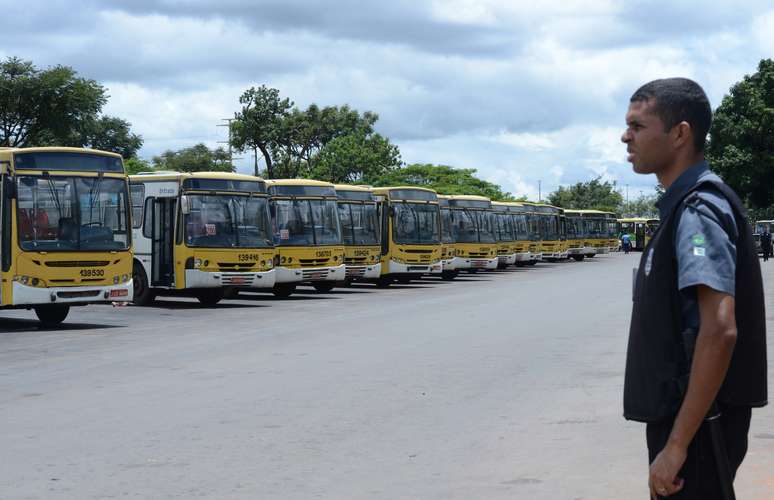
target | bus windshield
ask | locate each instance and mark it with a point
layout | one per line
(550, 225)
(306, 222)
(72, 213)
(505, 229)
(416, 223)
(227, 221)
(359, 224)
(446, 223)
(521, 226)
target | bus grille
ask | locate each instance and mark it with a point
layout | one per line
(354, 260)
(313, 275)
(478, 254)
(410, 250)
(78, 295)
(313, 262)
(236, 266)
(356, 271)
(236, 279)
(421, 269)
(78, 263)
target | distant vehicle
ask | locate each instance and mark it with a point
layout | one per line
(410, 220)
(473, 229)
(206, 234)
(307, 235)
(639, 229)
(65, 236)
(552, 231)
(448, 251)
(359, 232)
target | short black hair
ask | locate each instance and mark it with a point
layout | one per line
(676, 100)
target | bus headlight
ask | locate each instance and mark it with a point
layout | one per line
(116, 279)
(283, 259)
(197, 263)
(29, 281)
(125, 278)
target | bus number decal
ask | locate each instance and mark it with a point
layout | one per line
(86, 273)
(361, 253)
(249, 257)
(324, 253)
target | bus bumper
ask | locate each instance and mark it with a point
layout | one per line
(30, 295)
(363, 272)
(576, 251)
(398, 268)
(211, 279)
(589, 251)
(506, 260)
(446, 265)
(523, 257)
(466, 263)
(302, 274)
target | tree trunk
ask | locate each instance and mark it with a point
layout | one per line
(269, 165)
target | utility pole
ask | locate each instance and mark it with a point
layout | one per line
(230, 151)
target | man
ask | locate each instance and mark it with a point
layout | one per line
(766, 243)
(699, 279)
(627, 243)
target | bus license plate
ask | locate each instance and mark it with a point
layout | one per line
(315, 276)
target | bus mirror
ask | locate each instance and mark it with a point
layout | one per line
(185, 205)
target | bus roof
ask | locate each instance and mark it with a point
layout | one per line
(636, 219)
(386, 189)
(297, 182)
(404, 193)
(471, 197)
(170, 175)
(350, 187)
(59, 149)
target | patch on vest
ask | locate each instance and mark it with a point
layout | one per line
(649, 262)
(698, 240)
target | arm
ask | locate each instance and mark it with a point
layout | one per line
(711, 358)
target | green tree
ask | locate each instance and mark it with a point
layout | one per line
(198, 158)
(356, 158)
(108, 133)
(304, 134)
(644, 206)
(594, 194)
(741, 146)
(443, 179)
(258, 125)
(41, 107)
(136, 165)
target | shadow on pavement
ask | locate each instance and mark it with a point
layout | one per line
(33, 325)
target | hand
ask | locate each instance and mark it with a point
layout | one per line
(663, 480)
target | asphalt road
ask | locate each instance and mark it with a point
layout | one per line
(500, 385)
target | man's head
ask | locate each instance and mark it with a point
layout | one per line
(666, 124)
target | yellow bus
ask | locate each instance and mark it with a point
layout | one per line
(639, 229)
(473, 231)
(576, 234)
(205, 234)
(551, 227)
(448, 269)
(505, 234)
(359, 231)
(65, 238)
(535, 231)
(597, 231)
(307, 235)
(411, 233)
(613, 232)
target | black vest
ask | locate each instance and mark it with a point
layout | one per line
(656, 364)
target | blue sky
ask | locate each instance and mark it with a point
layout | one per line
(522, 91)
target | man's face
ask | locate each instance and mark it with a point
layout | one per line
(650, 148)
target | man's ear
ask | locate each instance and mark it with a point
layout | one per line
(682, 135)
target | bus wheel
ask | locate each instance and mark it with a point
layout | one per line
(404, 281)
(143, 295)
(579, 257)
(591, 255)
(52, 314)
(448, 275)
(383, 282)
(283, 290)
(231, 293)
(209, 296)
(324, 286)
(532, 263)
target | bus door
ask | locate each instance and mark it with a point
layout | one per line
(162, 231)
(640, 235)
(5, 232)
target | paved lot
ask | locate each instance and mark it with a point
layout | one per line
(501, 385)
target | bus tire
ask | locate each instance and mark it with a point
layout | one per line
(324, 286)
(591, 255)
(209, 296)
(531, 262)
(283, 290)
(448, 275)
(578, 257)
(383, 282)
(404, 281)
(52, 314)
(143, 295)
(231, 293)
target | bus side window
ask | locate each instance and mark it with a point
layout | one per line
(137, 195)
(147, 222)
